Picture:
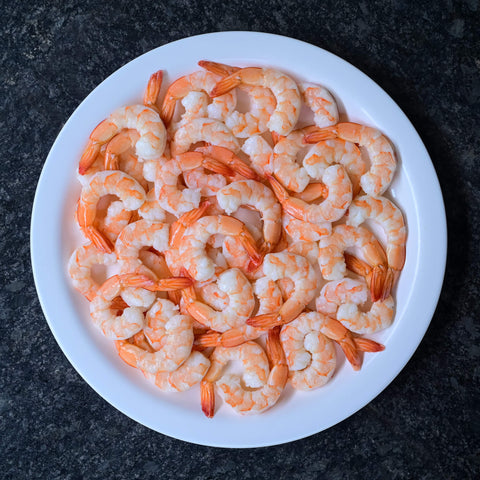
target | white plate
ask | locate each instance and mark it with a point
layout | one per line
(297, 415)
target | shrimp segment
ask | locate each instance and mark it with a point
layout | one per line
(338, 292)
(321, 102)
(260, 153)
(153, 89)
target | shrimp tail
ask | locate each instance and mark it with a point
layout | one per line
(264, 322)
(356, 265)
(388, 282)
(274, 347)
(153, 89)
(125, 353)
(352, 353)
(178, 228)
(173, 283)
(111, 161)
(174, 296)
(217, 68)
(367, 345)
(377, 280)
(217, 167)
(207, 398)
(209, 339)
(316, 134)
(276, 137)
(88, 157)
(98, 239)
(118, 303)
(225, 85)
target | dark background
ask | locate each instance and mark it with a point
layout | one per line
(426, 55)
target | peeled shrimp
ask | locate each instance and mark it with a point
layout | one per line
(321, 102)
(310, 355)
(337, 292)
(301, 231)
(285, 90)
(260, 153)
(151, 209)
(259, 197)
(207, 184)
(112, 220)
(380, 151)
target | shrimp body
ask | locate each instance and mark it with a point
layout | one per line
(285, 90)
(309, 250)
(379, 317)
(259, 197)
(260, 153)
(330, 152)
(112, 220)
(79, 268)
(151, 209)
(332, 208)
(203, 130)
(198, 179)
(310, 355)
(129, 191)
(321, 102)
(338, 292)
(301, 231)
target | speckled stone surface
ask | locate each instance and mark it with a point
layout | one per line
(425, 425)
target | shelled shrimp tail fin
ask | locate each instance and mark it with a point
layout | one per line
(367, 345)
(320, 134)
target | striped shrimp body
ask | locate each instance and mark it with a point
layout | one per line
(379, 148)
(301, 231)
(389, 216)
(112, 219)
(338, 292)
(259, 197)
(285, 90)
(260, 153)
(332, 208)
(126, 188)
(321, 102)
(146, 121)
(310, 355)
(151, 209)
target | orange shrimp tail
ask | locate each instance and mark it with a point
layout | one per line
(367, 345)
(264, 322)
(178, 228)
(232, 338)
(125, 354)
(351, 352)
(207, 398)
(275, 351)
(388, 283)
(218, 68)
(88, 157)
(98, 239)
(111, 161)
(174, 296)
(153, 88)
(276, 137)
(173, 283)
(356, 265)
(167, 110)
(225, 85)
(278, 189)
(377, 278)
(255, 256)
(217, 167)
(209, 339)
(118, 303)
(312, 192)
(316, 134)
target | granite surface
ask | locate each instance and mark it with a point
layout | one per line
(425, 424)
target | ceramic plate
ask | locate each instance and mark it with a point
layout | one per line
(297, 415)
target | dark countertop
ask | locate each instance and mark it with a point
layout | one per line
(425, 424)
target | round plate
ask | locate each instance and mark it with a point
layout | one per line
(297, 414)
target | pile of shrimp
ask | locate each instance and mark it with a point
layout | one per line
(230, 238)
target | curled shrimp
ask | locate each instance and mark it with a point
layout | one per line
(338, 292)
(112, 219)
(152, 134)
(203, 130)
(240, 306)
(151, 209)
(332, 208)
(79, 268)
(285, 90)
(169, 333)
(309, 250)
(268, 384)
(379, 148)
(329, 152)
(129, 191)
(389, 216)
(192, 245)
(298, 269)
(301, 231)
(260, 153)
(310, 355)
(207, 184)
(321, 102)
(257, 196)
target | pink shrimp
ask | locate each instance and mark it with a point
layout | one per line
(337, 292)
(321, 102)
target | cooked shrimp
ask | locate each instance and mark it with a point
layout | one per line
(310, 355)
(199, 81)
(214, 296)
(151, 209)
(260, 153)
(299, 270)
(192, 245)
(332, 208)
(379, 148)
(169, 333)
(228, 158)
(321, 102)
(337, 292)
(329, 152)
(207, 184)
(150, 144)
(152, 91)
(79, 268)
(119, 144)
(390, 217)
(240, 306)
(301, 231)
(379, 317)
(309, 250)
(116, 183)
(285, 90)
(112, 219)
(259, 197)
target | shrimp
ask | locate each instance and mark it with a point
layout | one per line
(309, 250)
(285, 90)
(207, 184)
(259, 197)
(192, 245)
(337, 292)
(310, 355)
(298, 269)
(79, 268)
(151, 209)
(199, 81)
(301, 231)
(214, 296)
(332, 208)
(390, 217)
(116, 183)
(379, 317)
(119, 144)
(329, 152)
(152, 134)
(379, 148)
(112, 220)
(203, 130)
(240, 306)
(269, 384)
(169, 333)
(321, 102)
(152, 91)
(260, 153)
